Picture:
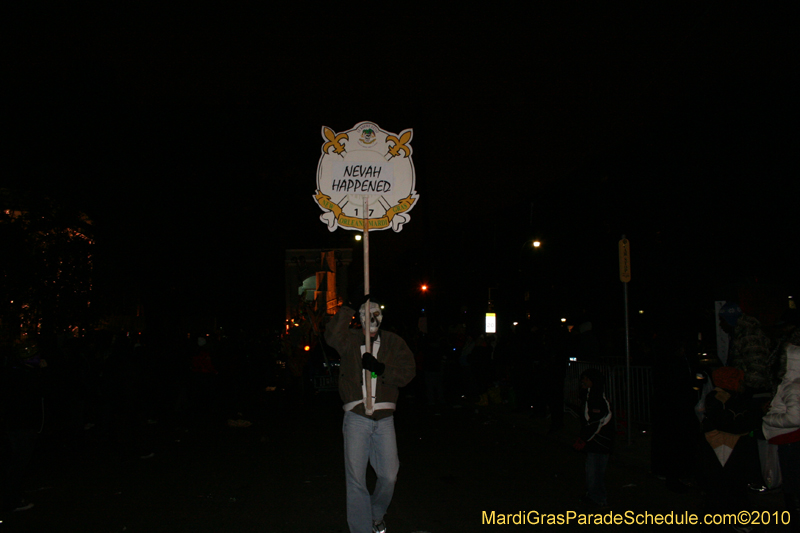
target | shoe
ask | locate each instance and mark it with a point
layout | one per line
(380, 527)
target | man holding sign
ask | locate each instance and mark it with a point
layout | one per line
(366, 182)
(368, 428)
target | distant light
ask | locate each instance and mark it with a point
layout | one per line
(424, 288)
(491, 323)
(536, 244)
(383, 306)
(358, 237)
(516, 323)
(573, 358)
(307, 348)
(563, 320)
(641, 311)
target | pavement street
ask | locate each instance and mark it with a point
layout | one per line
(285, 474)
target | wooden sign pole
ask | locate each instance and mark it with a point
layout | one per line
(625, 277)
(367, 311)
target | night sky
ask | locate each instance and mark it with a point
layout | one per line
(191, 138)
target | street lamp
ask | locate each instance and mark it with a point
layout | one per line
(535, 243)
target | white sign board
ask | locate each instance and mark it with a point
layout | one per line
(491, 323)
(366, 161)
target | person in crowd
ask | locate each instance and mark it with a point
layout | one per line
(730, 451)
(203, 382)
(555, 357)
(750, 351)
(368, 427)
(676, 430)
(123, 399)
(781, 425)
(22, 412)
(465, 362)
(596, 436)
(435, 363)
(484, 365)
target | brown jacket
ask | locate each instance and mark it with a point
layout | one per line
(393, 352)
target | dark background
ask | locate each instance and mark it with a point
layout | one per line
(190, 136)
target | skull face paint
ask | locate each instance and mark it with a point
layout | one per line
(375, 318)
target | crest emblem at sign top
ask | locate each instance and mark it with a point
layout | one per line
(366, 161)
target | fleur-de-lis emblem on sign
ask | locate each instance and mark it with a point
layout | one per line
(334, 141)
(400, 144)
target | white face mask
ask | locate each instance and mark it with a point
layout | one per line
(376, 316)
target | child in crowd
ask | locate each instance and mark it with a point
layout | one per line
(596, 436)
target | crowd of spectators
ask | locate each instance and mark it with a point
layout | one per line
(100, 392)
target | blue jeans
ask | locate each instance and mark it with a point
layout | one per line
(368, 441)
(596, 464)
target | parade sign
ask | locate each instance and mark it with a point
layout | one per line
(366, 161)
